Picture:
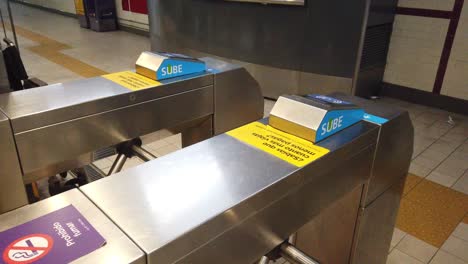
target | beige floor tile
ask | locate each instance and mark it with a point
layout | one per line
(442, 257)
(398, 235)
(398, 257)
(457, 247)
(434, 154)
(103, 163)
(174, 139)
(445, 147)
(153, 146)
(130, 163)
(455, 135)
(427, 118)
(461, 231)
(150, 138)
(419, 170)
(417, 248)
(442, 179)
(451, 167)
(166, 150)
(462, 184)
(426, 162)
(436, 132)
(443, 124)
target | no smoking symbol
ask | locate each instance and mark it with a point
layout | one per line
(28, 249)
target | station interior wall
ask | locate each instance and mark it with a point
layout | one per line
(415, 51)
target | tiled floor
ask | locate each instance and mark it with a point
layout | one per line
(432, 224)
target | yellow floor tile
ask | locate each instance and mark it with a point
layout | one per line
(50, 49)
(411, 182)
(439, 197)
(431, 212)
(427, 224)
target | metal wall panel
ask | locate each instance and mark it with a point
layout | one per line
(332, 34)
(322, 37)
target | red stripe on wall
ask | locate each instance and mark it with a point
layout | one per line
(125, 5)
(424, 12)
(136, 6)
(448, 44)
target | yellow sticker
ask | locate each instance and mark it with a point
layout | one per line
(131, 80)
(292, 149)
(79, 7)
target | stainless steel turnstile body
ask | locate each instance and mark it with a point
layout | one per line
(57, 128)
(118, 249)
(223, 201)
(382, 193)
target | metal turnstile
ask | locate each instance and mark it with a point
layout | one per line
(57, 128)
(118, 249)
(231, 200)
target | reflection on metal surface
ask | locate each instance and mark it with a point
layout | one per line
(294, 255)
(221, 199)
(280, 2)
(118, 164)
(382, 193)
(274, 43)
(142, 153)
(292, 239)
(332, 231)
(12, 191)
(264, 260)
(58, 127)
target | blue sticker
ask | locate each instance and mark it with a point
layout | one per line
(327, 99)
(374, 119)
(335, 121)
(175, 68)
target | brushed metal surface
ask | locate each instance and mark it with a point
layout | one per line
(329, 236)
(321, 38)
(382, 192)
(12, 190)
(376, 225)
(118, 249)
(43, 106)
(294, 255)
(223, 200)
(237, 97)
(297, 110)
(148, 64)
(42, 149)
(58, 127)
(395, 148)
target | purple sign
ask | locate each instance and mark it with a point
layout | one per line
(59, 237)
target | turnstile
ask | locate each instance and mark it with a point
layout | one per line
(240, 195)
(57, 128)
(118, 249)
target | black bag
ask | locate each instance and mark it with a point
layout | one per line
(15, 67)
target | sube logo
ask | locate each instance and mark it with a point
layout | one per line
(331, 125)
(171, 69)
